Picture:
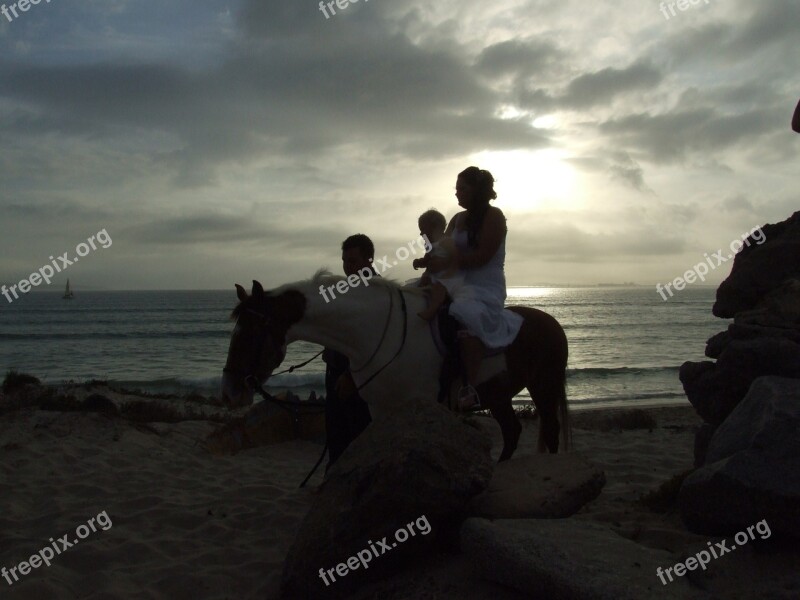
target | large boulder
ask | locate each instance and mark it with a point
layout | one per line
(752, 470)
(569, 559)
(761, 341)
(715, 389)
(408, 477)
(760, 268)
(539, 486)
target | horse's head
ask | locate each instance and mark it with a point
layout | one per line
(258, 341)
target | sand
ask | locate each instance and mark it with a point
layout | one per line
(186, 524)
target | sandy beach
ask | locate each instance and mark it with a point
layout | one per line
(187, 524)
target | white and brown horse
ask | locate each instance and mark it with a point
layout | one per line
(392, 355)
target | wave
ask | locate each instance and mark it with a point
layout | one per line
(220, 333)
(522, 398)
(618, 371)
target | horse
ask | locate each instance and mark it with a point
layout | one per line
(394, 356)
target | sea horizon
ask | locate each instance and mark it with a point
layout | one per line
(626, 344)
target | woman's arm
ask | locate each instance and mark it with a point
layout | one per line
(493, 231)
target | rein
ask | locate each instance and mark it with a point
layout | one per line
(293, 408)
(402, 343)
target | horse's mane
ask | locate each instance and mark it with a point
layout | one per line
(324, 277)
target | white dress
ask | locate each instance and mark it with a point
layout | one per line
(451, 279)
(479, 304)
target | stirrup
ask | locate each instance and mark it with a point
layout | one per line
(468, 398)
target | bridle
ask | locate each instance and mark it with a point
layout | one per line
(293, 407)
(279, 349)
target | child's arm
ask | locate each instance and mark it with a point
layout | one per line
(440, 264)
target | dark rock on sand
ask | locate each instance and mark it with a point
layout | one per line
(715, 390)
(752, 467)
(539, 486)
(100, 403)
(568, 559)
(422, 466)
(762, 293)
(758, 269)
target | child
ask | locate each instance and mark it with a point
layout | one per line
(446, 280)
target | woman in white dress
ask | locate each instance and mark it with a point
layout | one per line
(479, 233)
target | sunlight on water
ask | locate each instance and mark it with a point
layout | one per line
(530, 292)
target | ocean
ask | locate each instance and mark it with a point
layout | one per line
(626, 344)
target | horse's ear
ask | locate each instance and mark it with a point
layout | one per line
(240, 293)
(258, 291)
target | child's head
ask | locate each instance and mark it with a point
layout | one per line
(432, 223)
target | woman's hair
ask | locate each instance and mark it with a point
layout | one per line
(482, 184)
(434, 217)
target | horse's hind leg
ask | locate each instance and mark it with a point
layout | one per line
(545, 397)
(498, 401)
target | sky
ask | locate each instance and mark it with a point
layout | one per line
(220, 142)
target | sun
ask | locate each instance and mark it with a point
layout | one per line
(528, 180)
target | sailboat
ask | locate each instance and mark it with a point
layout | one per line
(67, 293)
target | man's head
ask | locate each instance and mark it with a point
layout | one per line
(357, 253)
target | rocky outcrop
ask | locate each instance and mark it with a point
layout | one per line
(760, 268)
(752, 470)
(401, 488)
(539, 486)
(569, 559)
(762, 294)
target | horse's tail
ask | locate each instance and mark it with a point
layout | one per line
(551, 388)
(563, 412)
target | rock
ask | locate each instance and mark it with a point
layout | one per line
(758, 269)
(424, 463)
(715, 389)
(779, 308)
(752, 467)
(100, 403)
(701, 441)
(717, 343)
(265, 424)
(539, 486)
(568, 559)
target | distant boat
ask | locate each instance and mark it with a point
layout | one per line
(67, 293)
